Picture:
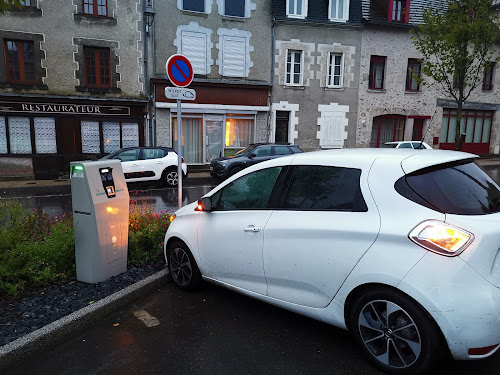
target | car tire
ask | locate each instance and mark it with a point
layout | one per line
(170, 177)
(182, 266)
(407, 341)
(234, 170)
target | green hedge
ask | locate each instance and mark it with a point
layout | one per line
(37, 250)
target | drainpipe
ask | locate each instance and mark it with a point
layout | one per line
(146, 79)
(273, 22)
(154, 74)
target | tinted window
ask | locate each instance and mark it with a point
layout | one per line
(282, 150)
(295, 149)
(418, 145)
(129, 155)
(194, 5)
(325, 188)
(153, 153)
(389, 145)
(453, 188)
(235, 8)
(405, 145)
(250, 192)
(263, 151)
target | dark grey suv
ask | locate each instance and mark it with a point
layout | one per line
(224, 167)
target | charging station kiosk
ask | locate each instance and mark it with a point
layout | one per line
(100, 217)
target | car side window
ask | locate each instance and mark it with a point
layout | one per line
(152, 153)
(262, 151)
(128, 155)
(282, 150)
(295, 149)
(418, 145)
(250, 192)
(405, 145)
(320, 188)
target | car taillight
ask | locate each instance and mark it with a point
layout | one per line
(182, 160)
(441, 238)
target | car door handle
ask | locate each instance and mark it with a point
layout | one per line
(135, 165)
(251, 228)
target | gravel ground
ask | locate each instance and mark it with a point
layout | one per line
(19, 317)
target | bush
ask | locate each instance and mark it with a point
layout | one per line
(37, 250)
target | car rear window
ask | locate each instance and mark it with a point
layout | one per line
(460, 188)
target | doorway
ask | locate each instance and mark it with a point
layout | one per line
(282, 121)
(418, 127)
(214, 125)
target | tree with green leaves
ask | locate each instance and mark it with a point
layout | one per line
(457, 43)
(6, 5)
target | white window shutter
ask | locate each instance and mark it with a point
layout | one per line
(234, 56)
(194, 47)
(333, 131)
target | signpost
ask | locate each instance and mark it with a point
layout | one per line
(180, 73)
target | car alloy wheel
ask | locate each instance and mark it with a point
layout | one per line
(389, 334)
(180, 267)
(171, 177)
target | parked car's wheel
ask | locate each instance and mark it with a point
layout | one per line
(170, 177)
(395, 332)
(182, 266)
(235, 170)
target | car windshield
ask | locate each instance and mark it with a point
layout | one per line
(460, 188)
(245, 151)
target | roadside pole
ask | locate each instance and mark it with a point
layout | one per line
(179, 157)
(180, 72)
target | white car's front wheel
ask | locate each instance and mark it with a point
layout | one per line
(395, 332)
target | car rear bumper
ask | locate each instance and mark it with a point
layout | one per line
(465, 305)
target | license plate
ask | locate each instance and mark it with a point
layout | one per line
(211, 169)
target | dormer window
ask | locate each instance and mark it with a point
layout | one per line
(399, 11)
(338, 10)
(296, 8)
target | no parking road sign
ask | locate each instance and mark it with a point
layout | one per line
(179, 70)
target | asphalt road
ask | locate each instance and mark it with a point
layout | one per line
(214, 331)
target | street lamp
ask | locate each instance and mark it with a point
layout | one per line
(149, 17)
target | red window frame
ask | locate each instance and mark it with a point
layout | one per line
(95, 7)
(488, 76)
(399, 7)
(409, 74)
(16, 64)
(397, 119)
(374, 62)
(97, 67)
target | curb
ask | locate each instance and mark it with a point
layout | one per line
(67, 326)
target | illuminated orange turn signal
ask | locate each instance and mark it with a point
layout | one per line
(199, 207)
(172, 217)
(441, 238)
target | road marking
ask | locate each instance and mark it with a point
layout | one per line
(146, 318)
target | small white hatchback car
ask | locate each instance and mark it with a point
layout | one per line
(398, 246)
(417, 145)
(149, 164)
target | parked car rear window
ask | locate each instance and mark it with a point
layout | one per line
(153, 153)
(460, 188)
(282, 150)
(325, 188)
(295, 149)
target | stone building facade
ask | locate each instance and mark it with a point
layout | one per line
(393, 107)
(229, 46)
(71, 83)
(317, 45)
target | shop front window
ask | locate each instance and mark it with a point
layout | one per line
(111, 136)
(388, 128)
(45, 135)
(130, 134)
(20, 135)
(90, 137)
(191, 139)
(239, 134)
(3, 136)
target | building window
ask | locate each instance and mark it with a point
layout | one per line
(95, 7)
(26, 3)
(194, 5)
(377, 71)
(488, 76)
(296, 8)
(239, 132)
(90, 137)
(3, 136)
(234, 56)
(294, 69)
(194, 47)
(335, 70)
(234, 8)
(475, 124)
(45, 135)
(388, 128)
(20, 135)
(97, 72)
(112, 135)
(338, 10)
(399, 11)
(412, 74)
(20, 56)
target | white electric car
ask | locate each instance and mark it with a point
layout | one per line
(398, 246)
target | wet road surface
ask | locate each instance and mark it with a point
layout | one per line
(215, 331)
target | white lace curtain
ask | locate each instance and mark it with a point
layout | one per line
(45, 135)
(19, 135)
(90, 137)
(3, 136)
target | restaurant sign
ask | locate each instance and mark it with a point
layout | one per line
(52, 108)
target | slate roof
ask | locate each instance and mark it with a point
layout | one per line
(375, 11)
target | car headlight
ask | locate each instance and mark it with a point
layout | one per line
(441, 238)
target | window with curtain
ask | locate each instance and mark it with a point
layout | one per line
(338, 10)
(296, 8)
(239, 132)
(20, 135)
(45, 135)
(3, 136)
(475, 124)
(90, 137)
(130, 134)
(111, 136)
(412, 73)
(377, 72)
(191, 139)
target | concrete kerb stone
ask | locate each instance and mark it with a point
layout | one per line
(62, 329)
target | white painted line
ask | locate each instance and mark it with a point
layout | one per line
(146, 318)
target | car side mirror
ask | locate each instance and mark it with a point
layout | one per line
(252, 156)
(204, 204)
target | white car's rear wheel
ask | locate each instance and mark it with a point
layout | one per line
(395, 332)
(171, 177)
